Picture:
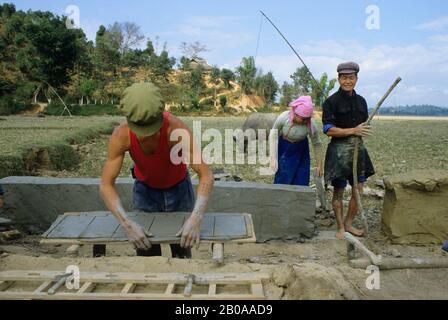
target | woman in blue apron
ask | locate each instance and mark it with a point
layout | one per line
(290, 160)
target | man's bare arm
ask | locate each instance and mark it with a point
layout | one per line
(114, 162)
(191, 229)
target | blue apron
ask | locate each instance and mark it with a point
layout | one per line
(293, 163)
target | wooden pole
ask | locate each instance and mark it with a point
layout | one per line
(356, 155)
(376, 260)
(402, 263)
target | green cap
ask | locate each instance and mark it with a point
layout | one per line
(143, 106)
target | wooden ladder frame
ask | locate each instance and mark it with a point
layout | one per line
(129, 281)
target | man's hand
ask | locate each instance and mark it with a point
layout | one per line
(137, 235)
(191, 232)
(363, 130)
(2, 203)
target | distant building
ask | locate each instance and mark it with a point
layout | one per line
(196, 62)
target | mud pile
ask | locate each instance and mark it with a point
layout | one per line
(416, 207)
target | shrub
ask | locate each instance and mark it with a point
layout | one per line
(223, 102)
(56, 109)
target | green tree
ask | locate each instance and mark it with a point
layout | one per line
(86, 88)
(58, 48)
(125, 36)
(227, 76)
(215, 80)
(287, 93)
(267, 87)
(107, 55)
(223, 102)
(320, 93)
(197, 80)
(161, 65)
(302, 82)
(184, 63)
(246, 74)
(36, 49)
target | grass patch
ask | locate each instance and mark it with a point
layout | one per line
(30, 143)
(56, 109)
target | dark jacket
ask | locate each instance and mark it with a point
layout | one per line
(343, 111)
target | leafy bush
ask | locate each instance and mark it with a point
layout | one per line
(194, 103)
(223, 102)
(56, 109)
(9, 106)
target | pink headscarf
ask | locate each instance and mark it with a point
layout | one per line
(303, 107)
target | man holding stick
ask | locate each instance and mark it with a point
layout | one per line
(344, 119)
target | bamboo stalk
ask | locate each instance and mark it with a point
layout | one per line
(356, 155)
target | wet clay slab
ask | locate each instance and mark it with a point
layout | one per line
(104, 227)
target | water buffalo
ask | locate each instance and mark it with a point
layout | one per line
(257, 121)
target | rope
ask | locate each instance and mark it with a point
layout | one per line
(259, 37)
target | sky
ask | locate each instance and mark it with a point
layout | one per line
(387, 38)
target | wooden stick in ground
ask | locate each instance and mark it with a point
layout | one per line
(65, 106)
(356, 186)
(402, 263)
(376, 260)
(320, 189)
(356, 154)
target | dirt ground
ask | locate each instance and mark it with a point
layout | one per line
(316, 269)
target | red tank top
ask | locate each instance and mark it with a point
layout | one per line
(157, 170)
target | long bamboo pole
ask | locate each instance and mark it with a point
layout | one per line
(356, 155)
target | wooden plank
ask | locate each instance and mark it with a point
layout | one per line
(115, 296)
(218, 253)
(212, 289)
(86, 287)
(5, 284)
(130, 280)
(138, 278)
(125, 241)
(249, 225)
(73, 250)
(166, 250)
(169, 289)
(43, 287)
(257, 289)
(128, 288)
(188, 291)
